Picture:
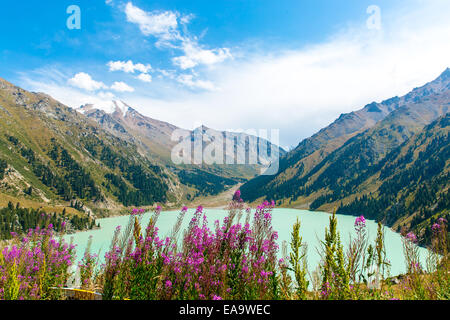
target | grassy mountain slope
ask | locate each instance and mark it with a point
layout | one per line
(56, 156)
(414, 183)
(407, 115)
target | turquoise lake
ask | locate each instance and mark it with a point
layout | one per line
(312, 230)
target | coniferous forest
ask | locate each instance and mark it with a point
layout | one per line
(15, 220)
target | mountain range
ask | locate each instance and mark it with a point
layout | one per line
(388, 161)
(100, 159)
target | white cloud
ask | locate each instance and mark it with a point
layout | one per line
(145, 77)
(169, 74)
(188, 80)
(162, 24)
(106, 95)
(84, 81)
(121, 87)
(165, 27)
(194, 56)
(187, 18)
(68, 95)
(128, 66)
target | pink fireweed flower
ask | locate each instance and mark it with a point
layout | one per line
(411, 237)
(237, 195)
(325, 290)
(441, 220)
(360, 222)
(217, 298)
(436, 227)
(416, 266)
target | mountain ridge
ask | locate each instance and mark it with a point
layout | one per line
(342, 161)
(311, 151)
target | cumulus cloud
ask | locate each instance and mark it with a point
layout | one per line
(69, 95)
(128, 66)
(121, 87)
(194, 56)
(84, 81)
(145, 77)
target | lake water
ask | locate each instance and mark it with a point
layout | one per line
(312, 229)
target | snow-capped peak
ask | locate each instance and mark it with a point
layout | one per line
(109, 107)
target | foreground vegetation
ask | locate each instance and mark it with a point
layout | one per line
(237, 259)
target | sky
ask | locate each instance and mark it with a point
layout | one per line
(292, 65)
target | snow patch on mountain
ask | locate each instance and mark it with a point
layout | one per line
(109, 107)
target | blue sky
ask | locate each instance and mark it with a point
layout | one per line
(37, 33)
(293, 65)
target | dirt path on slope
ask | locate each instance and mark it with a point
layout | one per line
(219, 201)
